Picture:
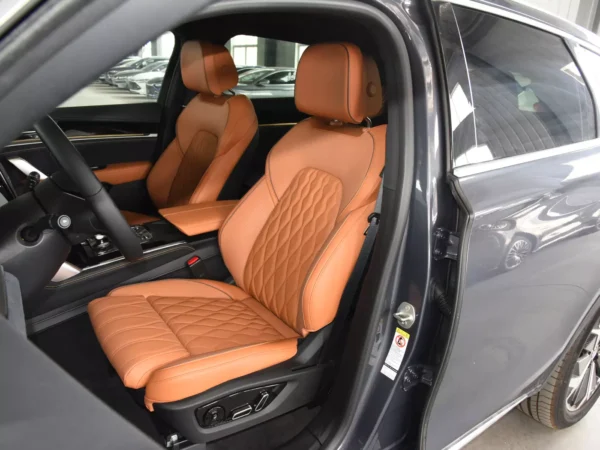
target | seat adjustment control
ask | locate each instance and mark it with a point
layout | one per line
(240, 412)
(262, 401)
(213, 416)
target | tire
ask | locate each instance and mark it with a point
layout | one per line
(556, 405)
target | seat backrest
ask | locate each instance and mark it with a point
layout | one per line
(212, 132)
(293, 240)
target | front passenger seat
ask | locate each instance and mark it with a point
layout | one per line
(212, 133)
(290, 245)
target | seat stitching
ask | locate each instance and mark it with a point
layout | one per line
(120, 330)
(143, 339)
(113, 318)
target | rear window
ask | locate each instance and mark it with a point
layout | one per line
(527, 92)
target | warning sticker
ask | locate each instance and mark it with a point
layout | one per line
(395, 354)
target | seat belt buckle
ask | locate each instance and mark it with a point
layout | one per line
(373, 221)
(196, 267)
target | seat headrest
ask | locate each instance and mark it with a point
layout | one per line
(335, 81)
(207, 68)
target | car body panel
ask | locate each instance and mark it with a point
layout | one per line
(513, 320)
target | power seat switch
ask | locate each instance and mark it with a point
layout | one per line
(240, 412)
(213, 416)
(262, 401)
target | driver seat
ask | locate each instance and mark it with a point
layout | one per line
(212, 133)
(290, 245)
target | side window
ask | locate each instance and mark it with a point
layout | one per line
(266, 67)
(135, 79)
(527, 92)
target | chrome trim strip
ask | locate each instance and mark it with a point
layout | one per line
(522, 18)
(94, 137)
(477, 430)
(65, 271)
(488, 166)
(26, 167)
(14, 12)
(121, 258)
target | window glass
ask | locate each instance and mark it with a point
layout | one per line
(262, 64)
(527, 92)
(135, 79)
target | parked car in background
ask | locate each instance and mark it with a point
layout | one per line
(244, 69)
(274, 82)
(127, 62)
(136, 65)
(137, 83)
(121, 78)
(153, 87)
(124, 64)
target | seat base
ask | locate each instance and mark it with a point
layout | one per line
(179, 338)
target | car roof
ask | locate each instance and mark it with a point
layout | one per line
(536, 17)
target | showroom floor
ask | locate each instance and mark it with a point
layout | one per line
(516, 431)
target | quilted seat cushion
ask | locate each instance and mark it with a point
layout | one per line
(145, 327)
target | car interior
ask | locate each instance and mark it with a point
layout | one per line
(197, 292)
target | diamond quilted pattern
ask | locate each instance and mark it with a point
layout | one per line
(290, 240)
(205, 325)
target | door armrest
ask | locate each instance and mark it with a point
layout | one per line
(199, 218)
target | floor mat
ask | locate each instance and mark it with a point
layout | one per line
(269, 435)
(74, 347)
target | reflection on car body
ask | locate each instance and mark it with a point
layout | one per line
(553, 218)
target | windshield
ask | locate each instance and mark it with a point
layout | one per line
(252, 76)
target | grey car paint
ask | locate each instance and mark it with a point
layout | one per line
(513, 323)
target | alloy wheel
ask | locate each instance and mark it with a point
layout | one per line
(585, 377)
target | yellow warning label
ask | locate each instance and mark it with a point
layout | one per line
(395, 354)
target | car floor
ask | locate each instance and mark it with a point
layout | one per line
(516, 431)
(74, 347)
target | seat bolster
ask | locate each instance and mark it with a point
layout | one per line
(331, 270)
(134, 337)
(193, 375)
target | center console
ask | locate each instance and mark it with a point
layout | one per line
(99, 248)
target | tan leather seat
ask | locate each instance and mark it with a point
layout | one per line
(290, 245)
(212, 133)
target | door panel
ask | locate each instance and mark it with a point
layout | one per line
(110, 119)
(529, 250)
(99, 152)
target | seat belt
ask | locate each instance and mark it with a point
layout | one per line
(347, 302)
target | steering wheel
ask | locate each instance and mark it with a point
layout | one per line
(89, 187)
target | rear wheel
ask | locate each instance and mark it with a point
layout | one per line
(572, 389)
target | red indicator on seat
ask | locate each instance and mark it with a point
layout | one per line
(193, 260)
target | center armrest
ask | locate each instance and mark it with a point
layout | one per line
(199, 218)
